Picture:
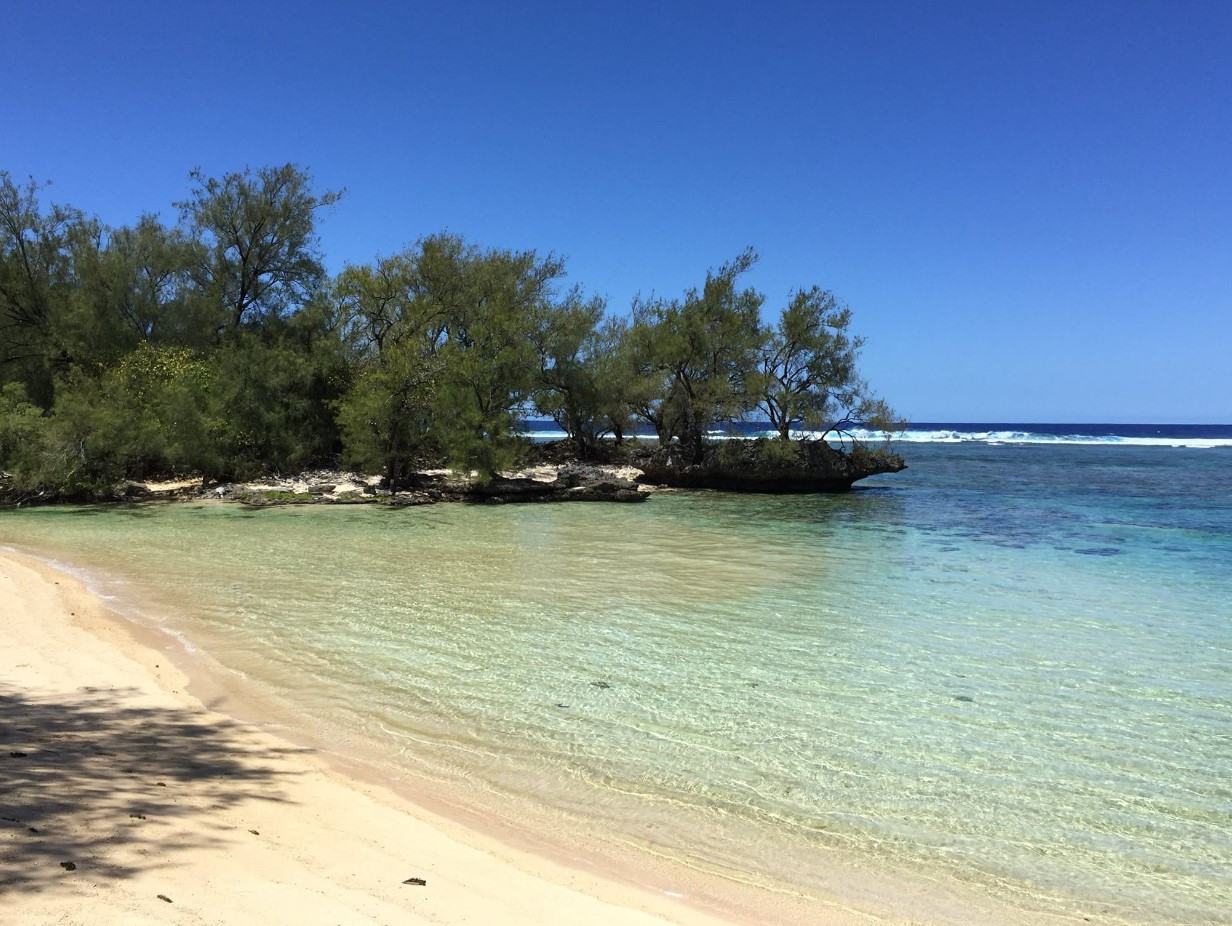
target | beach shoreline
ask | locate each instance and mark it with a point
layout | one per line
(237, 825)
(243, 824)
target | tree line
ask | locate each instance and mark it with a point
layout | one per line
(220, 346)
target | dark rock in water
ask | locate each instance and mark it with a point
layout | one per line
(517, 489)
(419, 482)
(601, 684)
(410, 499)
(572, 484)
(594, 484)
(580, 474)
(765, 465)
(965, 698)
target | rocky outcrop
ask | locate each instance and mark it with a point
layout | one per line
(581, 483)
(764, 465)
(574, 483)
(733, 465)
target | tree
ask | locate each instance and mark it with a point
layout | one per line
(171, 395)
(396, 315)
(490, 301)
(807, 374)
(393, 330)
(386, 417)
(373, 301)
(36, 279)
(258, 256)
(614, 377)
(649, 388)
(22, 426)
(571, 388)
(144, 276)
(448, 339)
(695, 355)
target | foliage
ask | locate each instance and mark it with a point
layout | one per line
(257, 257)
(807, 371)
(22, 426)
(386, 417)
(615, 377)
(220, 347)
(36, 284)
(694, 356)
(453, 342)
(489, 361)
(774, 454)
(573, 387)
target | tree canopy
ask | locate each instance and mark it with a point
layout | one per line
(220, 346)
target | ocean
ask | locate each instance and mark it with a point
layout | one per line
(1001, 677)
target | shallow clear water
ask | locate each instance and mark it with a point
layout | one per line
(1006, 668)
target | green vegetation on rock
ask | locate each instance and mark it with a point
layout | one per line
(220, 347)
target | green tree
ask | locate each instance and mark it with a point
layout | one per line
(386, 417)
(572, 388)
(144, 275)
(22, 429)
(36, 279)
(614, 377)
(396, 315)
(807, 376)
(695, 356)
(172, 392)
(75, 294)
(490, 302)
(649, 387)
(258, 254)
(277, 401)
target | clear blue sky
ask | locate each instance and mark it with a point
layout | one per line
(1028, 206)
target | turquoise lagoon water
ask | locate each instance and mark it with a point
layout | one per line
(1004, 670)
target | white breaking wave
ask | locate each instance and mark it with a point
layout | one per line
(948, 436)
(1024, 437)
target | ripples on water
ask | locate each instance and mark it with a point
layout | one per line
(1007, 666)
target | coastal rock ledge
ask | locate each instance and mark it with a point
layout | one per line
(767, 465)
(573, 483)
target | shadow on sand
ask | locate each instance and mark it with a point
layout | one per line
(95, 785)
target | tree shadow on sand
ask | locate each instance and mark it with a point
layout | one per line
(93, 783)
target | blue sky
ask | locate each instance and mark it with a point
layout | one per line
(1028, 207)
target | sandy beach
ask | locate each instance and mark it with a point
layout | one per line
(124, 800)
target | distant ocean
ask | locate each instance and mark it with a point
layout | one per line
(1146, 435)
(995, 687)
